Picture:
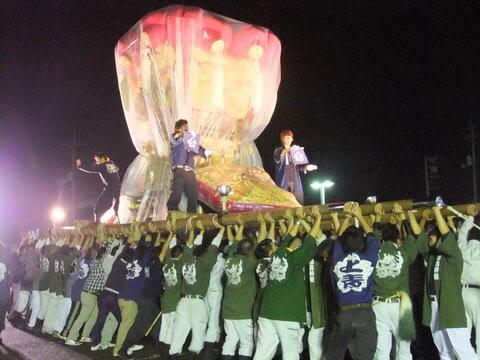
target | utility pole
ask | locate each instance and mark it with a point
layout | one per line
(427, 183)
(74, 174)
(474, 163)
(71, 177)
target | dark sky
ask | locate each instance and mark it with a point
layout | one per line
(369, 90)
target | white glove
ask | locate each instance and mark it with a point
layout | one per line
(198, 240)
(208, 153)
(311, 167)
(173, 242)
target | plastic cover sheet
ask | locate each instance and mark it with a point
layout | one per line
(220, 74)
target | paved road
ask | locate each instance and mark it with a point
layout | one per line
(22, 345)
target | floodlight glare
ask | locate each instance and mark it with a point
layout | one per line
(317, 185)
(57, 214)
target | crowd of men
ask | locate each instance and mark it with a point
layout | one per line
(283, 287)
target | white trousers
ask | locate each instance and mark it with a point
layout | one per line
(53, 312)
(238, 331)
(471, 300)
(214, 302)
(451, 343)
(270, 333)
(34, 306)
(65, 304)
(315, 343)
(191, 314)
(387, 319)
(22, 301)
(166, 327)
(44, 300)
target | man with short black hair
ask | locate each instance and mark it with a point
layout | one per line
(469, 244)
(282, 312)
(353, 262)
(239, 298)
(183, 152)
(391, 303)
(192, 309)
(443, 307)
(109, 174)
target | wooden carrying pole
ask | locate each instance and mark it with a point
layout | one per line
(250, 218)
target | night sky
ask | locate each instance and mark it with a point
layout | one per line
(369, 90)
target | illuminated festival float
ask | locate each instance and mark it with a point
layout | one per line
(220, 74)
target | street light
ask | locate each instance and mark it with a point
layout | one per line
(57, 214)
(317, 185)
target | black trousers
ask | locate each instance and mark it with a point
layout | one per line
(356, 327)
(105, 200)
(3, 311)
(147, 312)
(183, 182)
(107, 302)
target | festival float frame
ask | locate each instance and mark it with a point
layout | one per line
(220, 74)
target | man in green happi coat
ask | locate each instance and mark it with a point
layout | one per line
(283, 308)
(192, 310)
(391, 302)
(443, 308)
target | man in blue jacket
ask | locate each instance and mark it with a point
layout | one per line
(183, 167)
(354, 258)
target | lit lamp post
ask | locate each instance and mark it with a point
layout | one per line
(224, 191)
(317, 185)
(57, 215)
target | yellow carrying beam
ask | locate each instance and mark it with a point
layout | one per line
(248, 218)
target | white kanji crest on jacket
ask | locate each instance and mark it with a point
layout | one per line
(112, 168)
(170, 273)
(3, 271)
(189, 272)
(262, 273)
(278, 268)
(44, 263)
(234, 271)
(389, 265)
(133, 270)
(352, 273)
(83, 270)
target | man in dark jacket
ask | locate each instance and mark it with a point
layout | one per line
(4, 289)
(109, 174)
(148, 302)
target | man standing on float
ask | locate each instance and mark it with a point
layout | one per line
(287, 169)
(109, 174)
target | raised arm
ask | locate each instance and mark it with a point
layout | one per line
(316, 230)
(335, 222)
(416, 229)
(218, 238)
(282, 228)
(441, 223)
(241, 226)
(86, 169)
(262, 227)
(271, 228)
(290, 220)
(357, 212)
(199, 238)
(167, 244)
(346, 221)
